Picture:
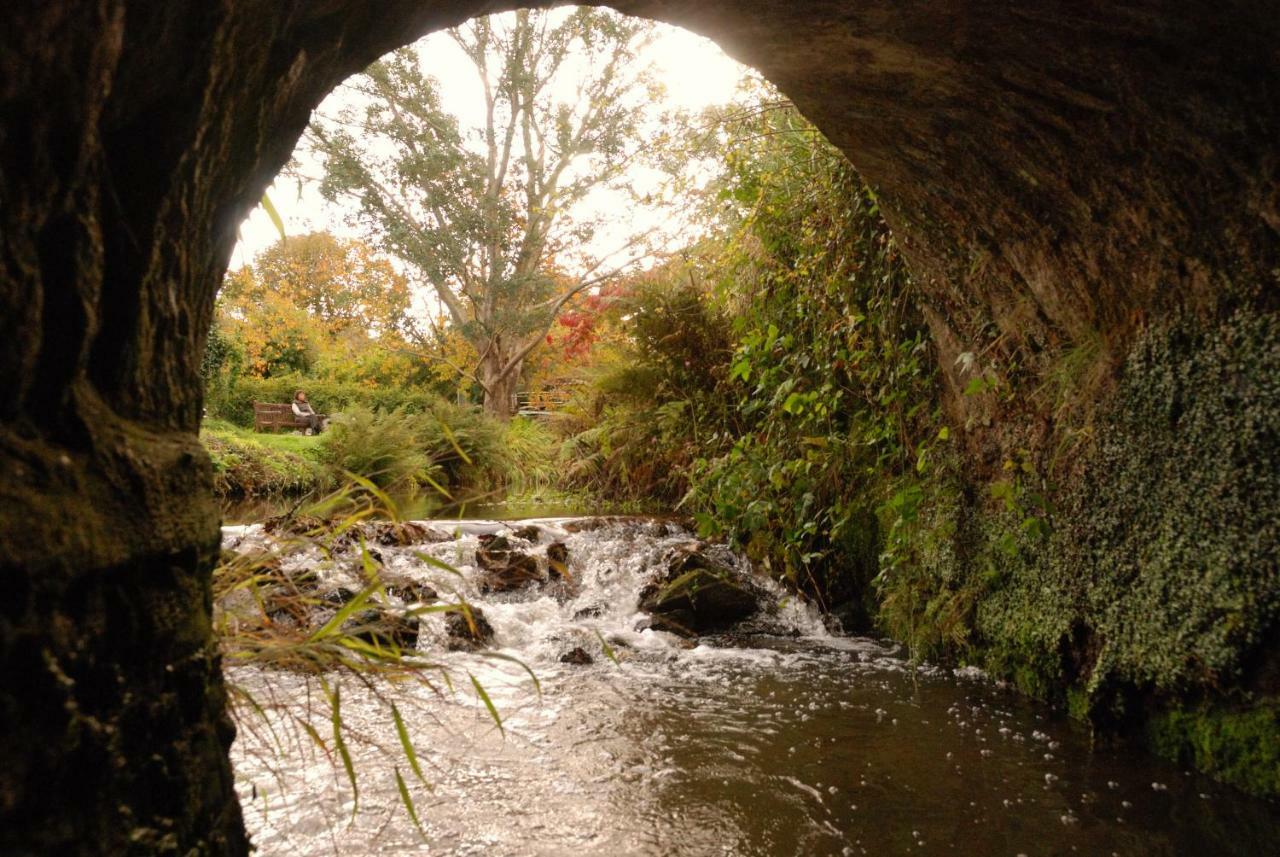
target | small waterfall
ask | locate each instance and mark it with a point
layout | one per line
(585, 595)
(762, 735)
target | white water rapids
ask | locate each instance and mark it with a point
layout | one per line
(788, 740)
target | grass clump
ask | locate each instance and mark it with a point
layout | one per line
(383, 447)
(247, 464)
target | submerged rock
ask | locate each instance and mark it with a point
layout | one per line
(529, 532)
(467, 630)
(504, 568)
(409, 590)
(592, 611)
(384, 628)
(588, 525)
(695, 594)
(577, 656)
(294, 525)
(405, 533)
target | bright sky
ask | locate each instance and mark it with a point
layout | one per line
(695, 72)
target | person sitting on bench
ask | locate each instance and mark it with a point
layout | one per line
(305, 415)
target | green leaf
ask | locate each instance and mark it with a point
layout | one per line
(335, 703)
(453, 441)
(269, 207)
(408, 803)
(607, 649)
(335, 623)
(488, 703)
(406, 744)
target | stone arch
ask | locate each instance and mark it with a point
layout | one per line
(1050, 167)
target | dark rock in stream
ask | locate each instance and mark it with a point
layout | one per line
(577, 656)
(383, 628)
(338, 597)
(593, 611)
(506, 569)
(406, 533)
(294, 525)
(410, 591)
(529, 532)
(467, 633)
(695, 594)
(557, 561)
(589, 525)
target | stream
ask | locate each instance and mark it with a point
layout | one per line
(779, 739)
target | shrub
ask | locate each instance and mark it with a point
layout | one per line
(383, 447)
(234, 401)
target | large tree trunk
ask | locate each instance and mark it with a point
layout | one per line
(1054, 170)
(499, 387)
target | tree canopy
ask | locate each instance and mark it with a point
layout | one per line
(490, 217)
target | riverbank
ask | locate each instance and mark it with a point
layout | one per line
(254, 465)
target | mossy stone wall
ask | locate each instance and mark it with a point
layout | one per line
(1150, 601)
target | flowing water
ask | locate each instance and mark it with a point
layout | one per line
(790, 742)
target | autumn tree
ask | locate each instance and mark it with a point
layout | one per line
(486, 216)
(340, 282)
(311, 296)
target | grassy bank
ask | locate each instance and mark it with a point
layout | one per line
(252, 464)
(456, 455)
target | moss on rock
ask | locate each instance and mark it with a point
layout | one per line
(1152, 576)
(1239, 745)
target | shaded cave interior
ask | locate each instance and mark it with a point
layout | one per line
(1053, 173)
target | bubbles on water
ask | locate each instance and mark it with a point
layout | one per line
(683, 748)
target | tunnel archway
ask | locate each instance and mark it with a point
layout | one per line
(1052, 169)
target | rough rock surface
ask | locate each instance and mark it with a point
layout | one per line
(694, 594)
(577, 656)
(468, 631)
(409, 590)
(404, 533)
(505, 569)
(384, 628)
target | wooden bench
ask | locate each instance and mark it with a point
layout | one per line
(269, 416)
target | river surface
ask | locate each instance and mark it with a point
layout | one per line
(791, 741)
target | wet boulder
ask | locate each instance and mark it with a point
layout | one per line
(557, 561)
(383, 628)
(406, 533)
(409, 590)
(504, 568)
(294, 525)
(529, 532)
(467, 630)
(696, 594)
(590, 525)
(577, 656)
(338, 597)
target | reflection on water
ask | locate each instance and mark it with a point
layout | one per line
(800, 744)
